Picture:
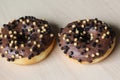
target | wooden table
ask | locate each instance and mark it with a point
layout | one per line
(60, 12)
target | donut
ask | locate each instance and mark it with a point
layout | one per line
(87, 40)
(26, 40)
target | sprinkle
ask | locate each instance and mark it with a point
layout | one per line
(1, 36)
(84, 32)
(11, 35)
(10, 45)
(93, 55)
(38, 30)
(73, 26)
(34, 42)
(14, 32)
(34, 23)
(59, 34)
(40, 36)
(12, 56)
(46, 25)
(96, 40)
(16, 47)
(20, 33)
(95, 28)
(103, 36)
(82, 26)
(75, 44)
(10, 32)
(63, 38)
(70, 31)
(97, 54)
(22, 45)
(75, 39)
(1, 47)
(87, 20)
(15, 37)
(67, 40)
(51, 35)
(31, 50)
(5, 36)
(108, 33)
(95, 21)
(20, 20)
(76, 31)
(87, 49)
(27, 20)
(23, 22)
(105, 27)
(6, 52)
(38, 45)
(15, 41)
(11, 42)
(91, 36)
(84, 22)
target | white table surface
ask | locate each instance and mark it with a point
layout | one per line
(60, 12)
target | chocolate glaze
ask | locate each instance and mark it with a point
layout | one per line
(28, 35)
(86, 40)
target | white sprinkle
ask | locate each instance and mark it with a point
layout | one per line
(87, 49)
(22, 45)
(84, 22)
(11, 35)
(75, 39)
(5, 36)
(59, 34)
(15, 32)
(23, 22)
(51, 35)
(1, 36)
(97, 54)
(34, 42)
(10, 32)
(96, 40)
(76, 31)
(73, 26)
(38, 45)
(40, 36)
(38, 30)
(82, 26)
(75, 44)
(6, 52)
(67, 40)
(16, 47)
(105, 27)
(27, 20)
(93, 55)
(108, 33)
(34, 23)
(20, 33)
(70, 31)
(30, 50)
(1, 47)
(20, 20)
(46, 25)
(84, 32)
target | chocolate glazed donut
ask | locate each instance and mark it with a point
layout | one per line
(26, 40)
(87, 41)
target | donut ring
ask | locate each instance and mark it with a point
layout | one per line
(87, 41)
(26, 40)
